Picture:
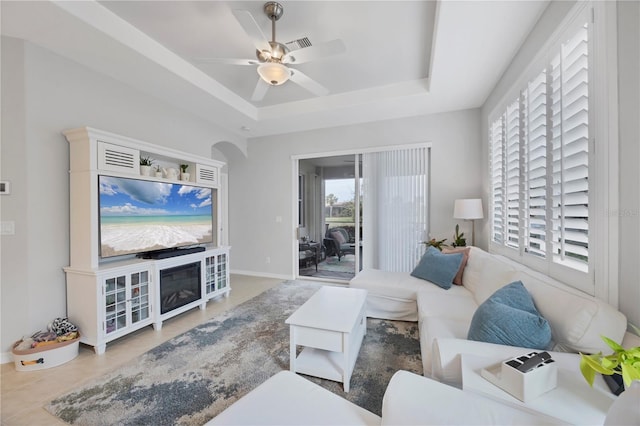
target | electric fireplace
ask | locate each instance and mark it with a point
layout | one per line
(179, 286)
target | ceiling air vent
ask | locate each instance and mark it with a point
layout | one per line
(298, 44)
(118, 158)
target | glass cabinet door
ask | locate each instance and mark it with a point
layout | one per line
(126, 300)
(116, 303)
(210, 274)
(222, 271)
(139, 296)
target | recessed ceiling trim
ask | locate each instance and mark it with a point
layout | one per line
(102, 19)
(341, 100)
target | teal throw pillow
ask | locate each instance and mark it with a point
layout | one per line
(509, 317)
(438, 268)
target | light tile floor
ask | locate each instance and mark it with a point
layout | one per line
(24, 393)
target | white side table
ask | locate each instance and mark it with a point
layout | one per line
(572, 401)
(331, 326)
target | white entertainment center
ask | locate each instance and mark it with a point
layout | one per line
(110, 297)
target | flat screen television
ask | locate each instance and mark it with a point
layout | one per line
(139, 216)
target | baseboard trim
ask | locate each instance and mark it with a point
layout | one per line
(6, 357)
(262, 274)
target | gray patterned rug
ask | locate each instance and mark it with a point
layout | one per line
(193, 377)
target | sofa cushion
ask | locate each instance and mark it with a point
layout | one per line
(577, 320)
(457, 302)
(509, 317)
(438, 268)
(338, 236)
(485, 273)
(457, 280)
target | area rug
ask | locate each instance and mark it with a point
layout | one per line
(191, 378)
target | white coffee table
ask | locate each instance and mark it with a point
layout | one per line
(330, 326)
(572, 401)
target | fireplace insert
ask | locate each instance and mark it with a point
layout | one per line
(179, 286)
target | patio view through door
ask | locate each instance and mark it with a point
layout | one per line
(362, 210)
(329, 213)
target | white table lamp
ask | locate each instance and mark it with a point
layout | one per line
(469, 209)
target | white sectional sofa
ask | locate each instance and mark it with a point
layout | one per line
(577, 320)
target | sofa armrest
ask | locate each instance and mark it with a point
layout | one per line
(411, 399)
(630, 340)
(446, 366)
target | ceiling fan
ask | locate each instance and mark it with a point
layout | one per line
(273, 58)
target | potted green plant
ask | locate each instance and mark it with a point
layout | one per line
(436, 243)
(145, 166)
(458, 238)
(183, 172)
(625, 362)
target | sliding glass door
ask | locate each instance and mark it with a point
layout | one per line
(362, 210)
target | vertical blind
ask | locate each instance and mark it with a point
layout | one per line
(395, 205)
(539, 161)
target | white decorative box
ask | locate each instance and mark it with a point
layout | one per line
(525, 377)
(46, 356)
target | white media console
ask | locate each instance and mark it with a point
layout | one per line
(109, 298)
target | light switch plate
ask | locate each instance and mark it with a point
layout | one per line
(7, 227)
(5, 187)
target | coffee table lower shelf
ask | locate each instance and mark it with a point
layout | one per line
(321, 363)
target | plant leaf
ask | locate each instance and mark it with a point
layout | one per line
(588, 373)
(593, 361)
(629, 374)
(613, 345)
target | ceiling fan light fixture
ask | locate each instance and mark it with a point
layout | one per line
(274, 73)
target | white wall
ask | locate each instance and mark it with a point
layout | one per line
(629, 118)
(43, 94)
(261, 190)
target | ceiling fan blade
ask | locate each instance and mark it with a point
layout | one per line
(260, 90)
(319, 51)
(306, 82)
(228, 61)
(251, 27)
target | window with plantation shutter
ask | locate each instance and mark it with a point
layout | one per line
(539, 161)
(570, 152)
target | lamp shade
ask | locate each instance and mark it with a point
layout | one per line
(470, 208)
(274, 73)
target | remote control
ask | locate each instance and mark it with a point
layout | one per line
(534, 361)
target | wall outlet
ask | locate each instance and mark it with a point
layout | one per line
(267, 260)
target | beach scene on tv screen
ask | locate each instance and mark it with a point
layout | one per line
(138, 215)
